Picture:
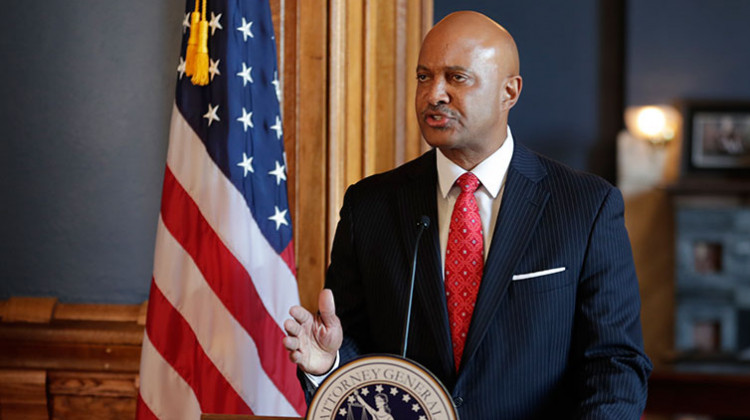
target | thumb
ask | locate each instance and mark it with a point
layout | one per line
(327, 308)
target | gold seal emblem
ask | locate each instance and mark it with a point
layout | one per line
(381, 387)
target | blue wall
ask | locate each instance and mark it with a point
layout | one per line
(680, 49)
(557, 41)
(85, 97)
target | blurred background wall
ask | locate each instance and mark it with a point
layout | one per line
(86, 96)
(86, 89)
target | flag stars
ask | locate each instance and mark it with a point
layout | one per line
(181, 67)
(245, 74)
(211, 115)
(279, 173)
(246, 164)
(378, 388)
(213, 68)
(276, 85)
(246, 119)
(279, 217)
(364, 391)
(245, 29)
(214, 24)
(394, 390)
(415, 407)
(277, 128)
(406, 398)
(186, 22)
(342, 412)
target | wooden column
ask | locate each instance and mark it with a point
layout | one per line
(348, 82)
(373, 53)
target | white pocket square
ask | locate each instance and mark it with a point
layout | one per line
(537, 274)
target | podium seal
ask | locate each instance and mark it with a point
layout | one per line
(381, 387)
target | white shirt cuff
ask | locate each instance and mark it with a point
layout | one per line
(316, 380)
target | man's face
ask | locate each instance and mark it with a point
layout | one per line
(459, 94)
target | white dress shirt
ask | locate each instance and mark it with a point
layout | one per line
(491, 173)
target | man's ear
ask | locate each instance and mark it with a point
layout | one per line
(511, 92)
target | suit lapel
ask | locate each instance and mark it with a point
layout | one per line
(523, 203)
(417, 197)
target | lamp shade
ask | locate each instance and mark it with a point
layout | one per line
(655, 123)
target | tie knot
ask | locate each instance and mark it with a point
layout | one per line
(468, 182)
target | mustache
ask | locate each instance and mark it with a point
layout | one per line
(440, 108)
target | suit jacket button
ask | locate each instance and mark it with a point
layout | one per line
(458, 401)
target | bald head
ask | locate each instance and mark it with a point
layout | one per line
(467, 82)
(485, 32)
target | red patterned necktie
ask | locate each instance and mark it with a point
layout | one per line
(464, 262)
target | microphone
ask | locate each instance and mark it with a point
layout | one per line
(422, 224)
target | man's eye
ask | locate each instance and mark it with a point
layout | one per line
(421, 77)
(459, 77)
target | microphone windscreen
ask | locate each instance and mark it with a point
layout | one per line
(424, 221)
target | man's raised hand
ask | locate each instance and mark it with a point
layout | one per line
(313, 341)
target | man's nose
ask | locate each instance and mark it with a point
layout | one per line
(436, 93)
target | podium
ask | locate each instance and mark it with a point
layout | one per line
(243, 417)
(375, 385)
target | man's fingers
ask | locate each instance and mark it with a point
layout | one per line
(294, 356)
(300, 314)
(290, 343)
(292, 327)
(327, 307)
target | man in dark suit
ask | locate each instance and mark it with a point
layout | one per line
(526, 301)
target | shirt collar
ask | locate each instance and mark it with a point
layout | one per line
(490, 172)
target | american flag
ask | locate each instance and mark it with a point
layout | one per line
(224, 274)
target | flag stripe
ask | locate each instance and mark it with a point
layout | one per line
(232, 351)
(225, 209)
(183, 219)
(176, 342)
(224, 266)
(143, 412)
(168, 398)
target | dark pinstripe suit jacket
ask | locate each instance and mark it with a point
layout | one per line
(566, 345)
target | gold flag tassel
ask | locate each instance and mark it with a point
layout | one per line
(200, 77)
(192, 41)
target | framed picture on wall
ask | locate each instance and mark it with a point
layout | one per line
(716, 138)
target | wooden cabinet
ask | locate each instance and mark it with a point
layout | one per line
(65, 361)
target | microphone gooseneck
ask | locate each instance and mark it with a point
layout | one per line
(422, 224)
